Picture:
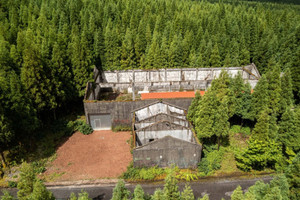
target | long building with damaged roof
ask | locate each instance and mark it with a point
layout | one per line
(111, 98)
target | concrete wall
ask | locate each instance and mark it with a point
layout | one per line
(120, 111)
(143, 137)
(167, 151)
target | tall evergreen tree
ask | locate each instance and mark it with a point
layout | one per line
(260, 97)
(187, 193)
(138, 193)
(274, 87)
(287, 95)
(120, 191)
(171, 190)
(26, 181)
(34, 75)
(193, 107)
(40, 192)
(215, 60)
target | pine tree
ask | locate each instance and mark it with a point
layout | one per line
(120, 192)
(186, 48)
(215, 59)
(193, 107)
(187, 193)
(221, 123)
(83, 196)
(282, 184)
(287, 131)
(171, 190)
(237, 194)
(293, 177)
(138, 193)
(159, 195)
(260, 97)
(205, 197)
(227, 60)
(287, 95)
(34, 75)
(204, 117)
(175, 53)
(40, 192)
(297, 129)
(81, 61)
(73, 196)
(128, 57)
(295, 70)
(274, 87)
(153, 54)
(261, 130)
(26, 181)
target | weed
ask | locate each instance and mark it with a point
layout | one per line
(120, 128)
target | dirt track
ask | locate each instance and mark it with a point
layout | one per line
(102, 154)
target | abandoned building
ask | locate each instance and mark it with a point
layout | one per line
(104, 113)
(133, 98)
(163, 136)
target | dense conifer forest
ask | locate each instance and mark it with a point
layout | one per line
(48, 50)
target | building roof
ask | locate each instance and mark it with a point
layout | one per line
(169, 95)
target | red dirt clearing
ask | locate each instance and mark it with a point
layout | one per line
(102, 154)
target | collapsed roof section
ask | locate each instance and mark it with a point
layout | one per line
(161, 117)
(158, 108)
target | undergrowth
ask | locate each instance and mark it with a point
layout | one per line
(157, 173)
(120, 128)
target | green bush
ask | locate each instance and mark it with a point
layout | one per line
(39, 167)
(149, 173)
(259, 155)
(85, 129)
(211, 161)
(79, 125)
(12, 184)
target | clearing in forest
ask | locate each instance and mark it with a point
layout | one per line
(102, 154)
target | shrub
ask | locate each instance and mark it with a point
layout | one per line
(81, 126)
(131, 172)
(12, 184)
(85, 129)
(119, 128)
(211, 161)
(259, 155)
(150, 173)
(38, 167)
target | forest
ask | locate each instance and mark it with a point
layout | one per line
(48, 50)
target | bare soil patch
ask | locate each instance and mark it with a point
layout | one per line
(102, 154)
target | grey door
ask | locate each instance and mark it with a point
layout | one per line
(100, 122)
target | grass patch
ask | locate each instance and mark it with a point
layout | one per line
(53, 177)
(120, 128)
